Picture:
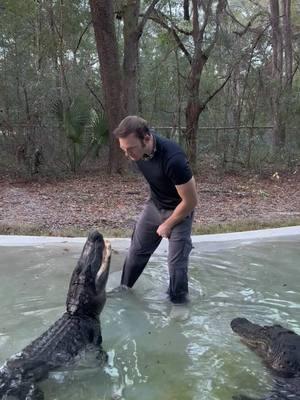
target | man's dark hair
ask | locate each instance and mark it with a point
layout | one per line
(132, 124)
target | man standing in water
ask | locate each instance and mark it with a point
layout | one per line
(169, 211)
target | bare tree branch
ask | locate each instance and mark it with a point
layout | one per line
(146, 16)
(156, 17)
(167, 18)
(95, 95)
(220, 9)
(81, 36)
(248, 26)
(209, 98)
(207, 13)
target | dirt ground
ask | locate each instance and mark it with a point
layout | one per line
(112, 203)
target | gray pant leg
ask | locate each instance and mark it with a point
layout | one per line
(143, 243)
(180, 246)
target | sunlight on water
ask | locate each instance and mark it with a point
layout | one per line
(152, 356)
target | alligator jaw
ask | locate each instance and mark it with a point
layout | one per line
(102, 274)
(86, 295)
(254, 336)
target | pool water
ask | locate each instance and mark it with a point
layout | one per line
(151, 355)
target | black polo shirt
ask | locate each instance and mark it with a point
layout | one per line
(168, 167)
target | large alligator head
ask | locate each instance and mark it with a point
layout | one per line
(277, 346)
(86, 295)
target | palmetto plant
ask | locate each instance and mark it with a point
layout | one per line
(100, 131)
(74, 119)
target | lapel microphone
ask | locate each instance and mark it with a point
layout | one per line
(147, 157)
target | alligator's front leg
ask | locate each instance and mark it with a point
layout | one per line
(34, 393)
(25, 391)
(101, 356)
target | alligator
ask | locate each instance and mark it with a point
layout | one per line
(77, 330)
(279, 349)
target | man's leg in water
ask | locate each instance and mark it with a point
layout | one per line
(143, 243)
(180, 246)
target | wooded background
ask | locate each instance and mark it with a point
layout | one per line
(220, 77)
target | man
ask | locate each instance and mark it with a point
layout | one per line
(169, 211)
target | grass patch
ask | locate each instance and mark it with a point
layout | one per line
(26, 230)
(241, 226)
(198, 229)
(74, 231)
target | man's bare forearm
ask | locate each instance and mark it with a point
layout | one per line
(180, 212)
(188, 195)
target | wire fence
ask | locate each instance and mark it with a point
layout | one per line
(35, 147)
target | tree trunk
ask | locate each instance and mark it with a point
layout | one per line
(37, 37)
(203, 13)
(186, 10)
(131, 53)
(132, 32)
(278, 136)
(287, 40)
(64, 87)
(192, 112)
(54, 51)
(193, 108)
(106, 41)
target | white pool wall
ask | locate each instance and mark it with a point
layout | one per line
(123, 243)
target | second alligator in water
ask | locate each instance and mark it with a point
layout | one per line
(77, 329)
(280, 350)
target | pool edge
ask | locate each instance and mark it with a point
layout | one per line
(19, 240)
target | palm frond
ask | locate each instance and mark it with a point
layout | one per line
(100, 129)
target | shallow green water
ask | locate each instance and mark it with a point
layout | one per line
(152, 356)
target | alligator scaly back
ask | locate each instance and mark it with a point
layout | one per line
(76, 329)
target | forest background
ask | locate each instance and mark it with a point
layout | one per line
(221, 77)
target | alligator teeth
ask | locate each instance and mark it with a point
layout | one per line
(107, 249)
(105, 259)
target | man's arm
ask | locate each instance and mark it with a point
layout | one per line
(188, 195)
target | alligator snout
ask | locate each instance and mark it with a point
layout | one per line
(86, 295)
(94, 236)
(238, 323)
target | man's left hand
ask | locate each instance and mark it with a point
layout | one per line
(164, 230)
